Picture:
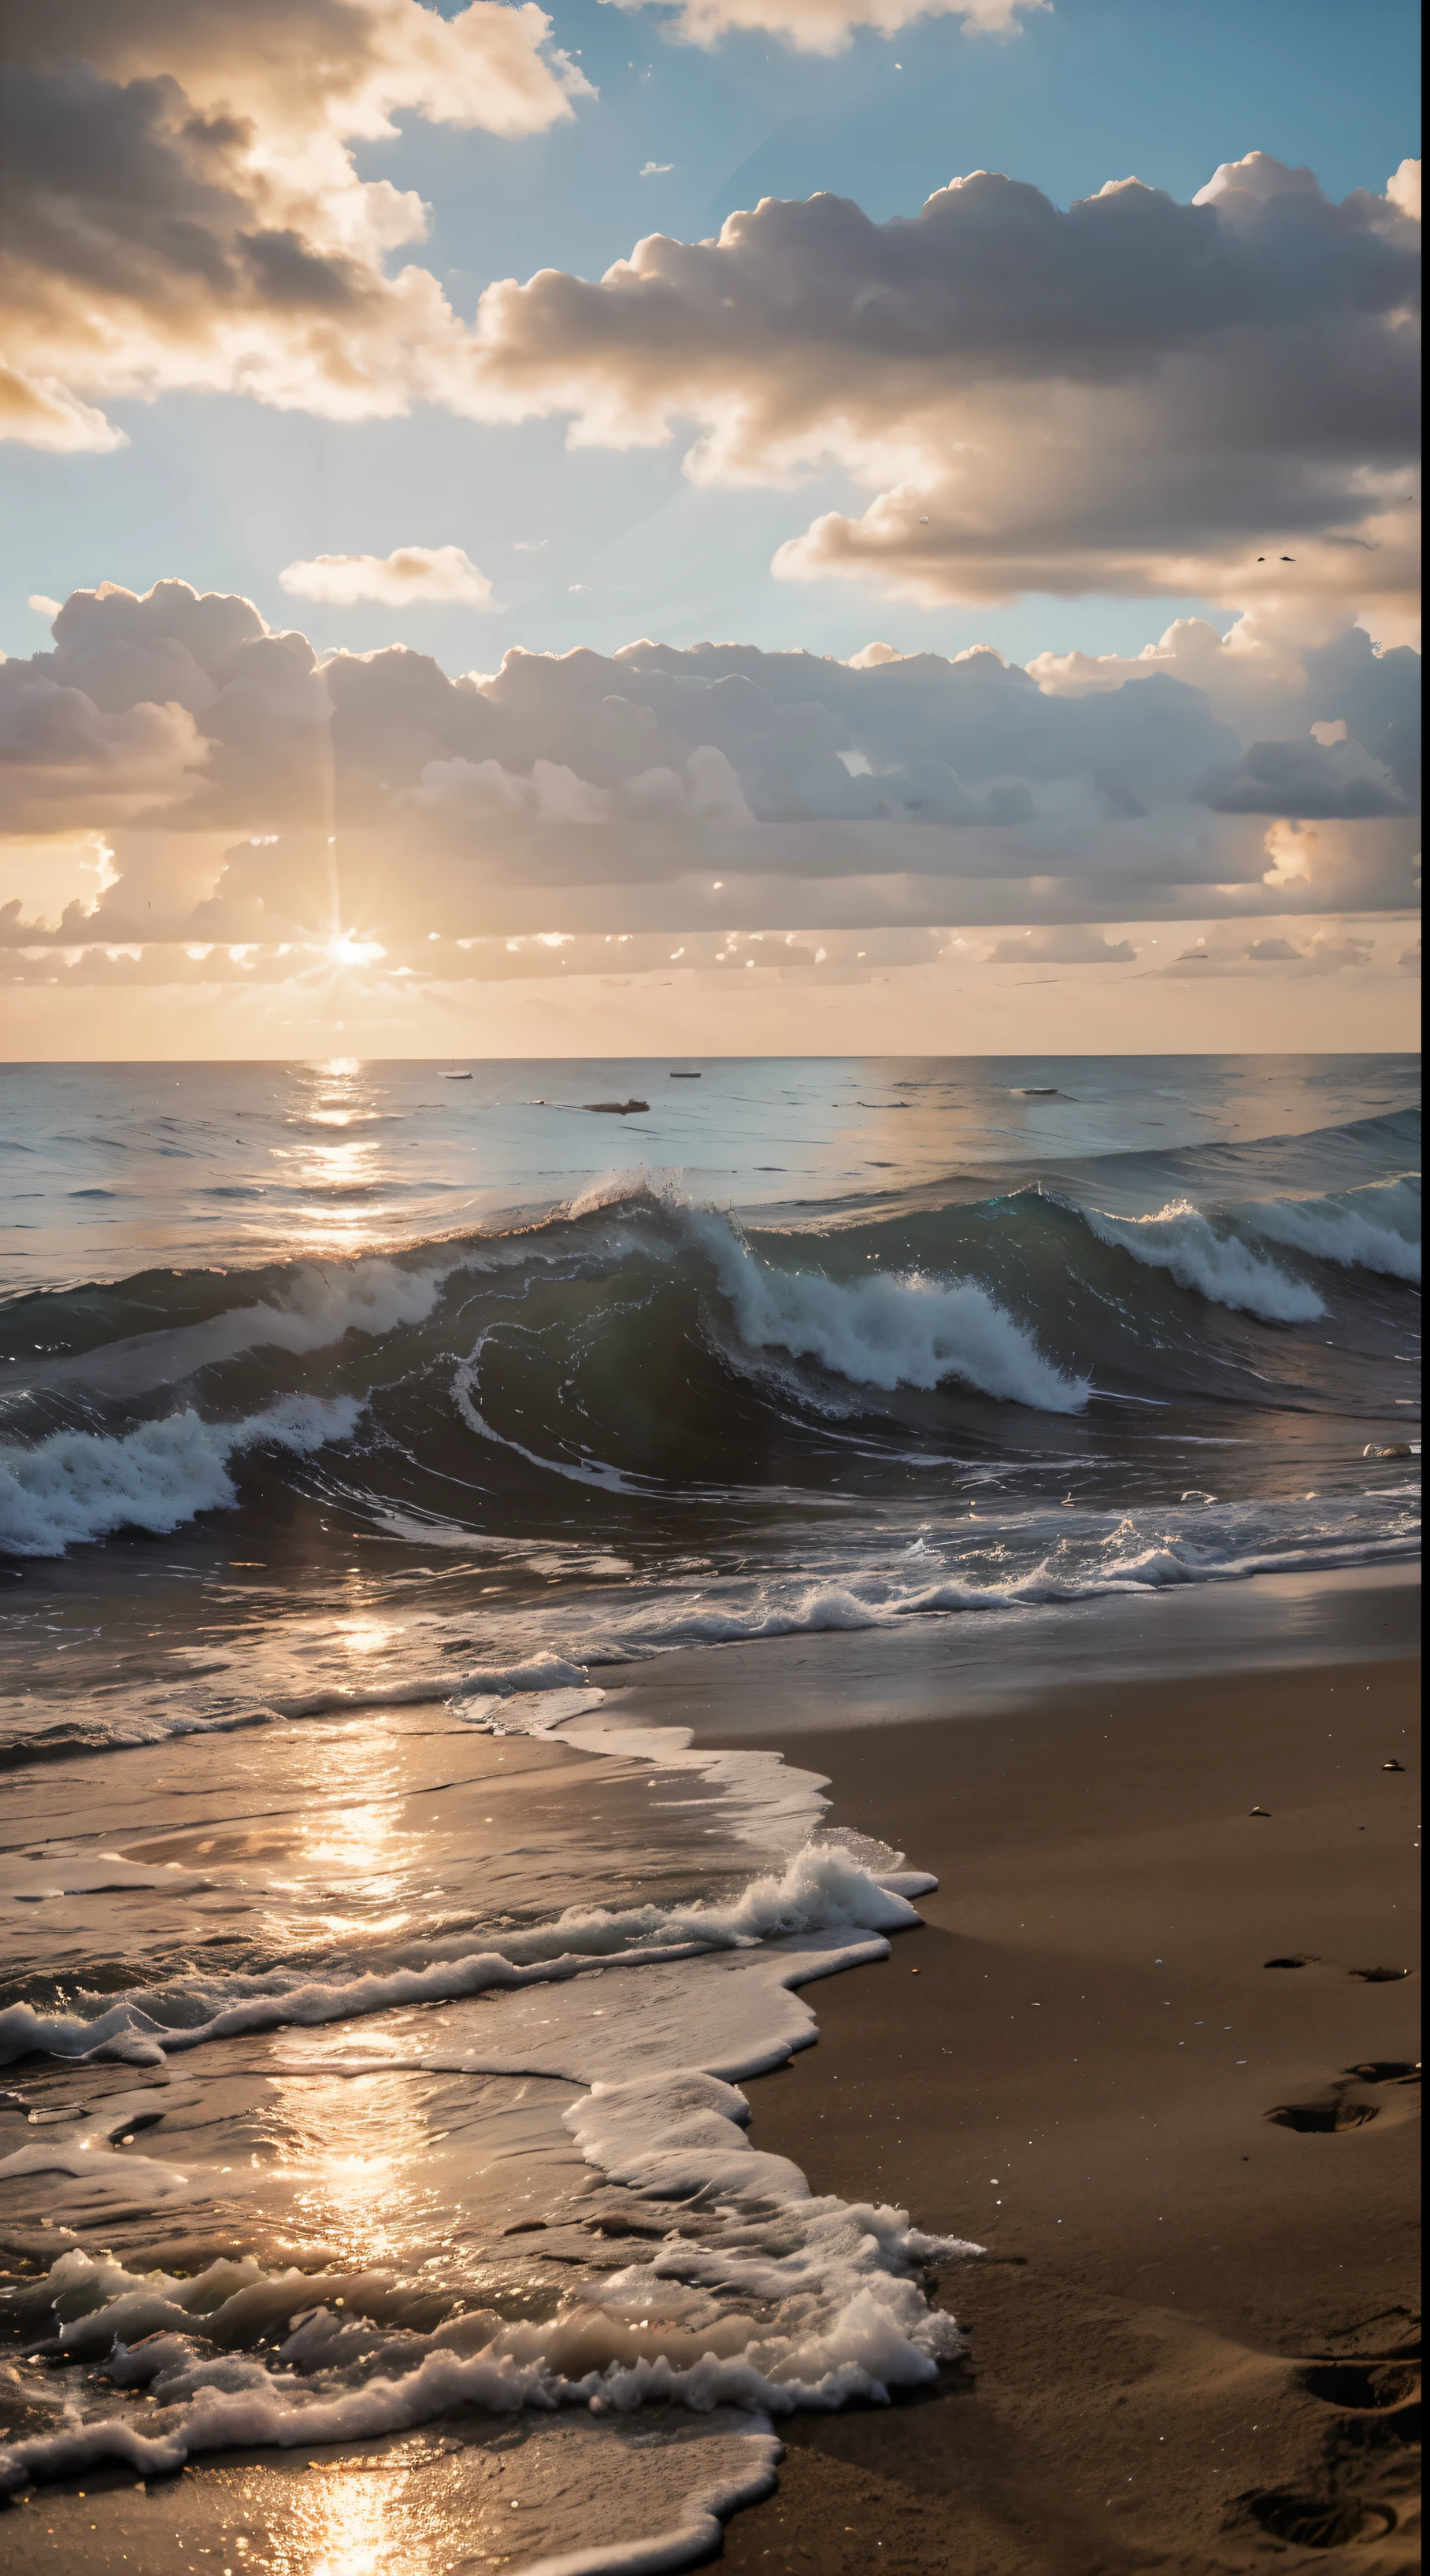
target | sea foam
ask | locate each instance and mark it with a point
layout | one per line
(1375, 1228)
(893, 1329)
(1181, 1241)
(79, 1485)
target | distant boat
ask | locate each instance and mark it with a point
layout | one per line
(685, 1077)
(1040, 1091)
(615, 1108)
(456, 1077)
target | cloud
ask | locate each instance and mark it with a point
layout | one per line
(410, 574)
(41, 412)
(1072, 946)
(1305, 780)
(1332, 949)
(180, 204)
(826, 26)
(665, 789)
(1134, 395)
(655, 169)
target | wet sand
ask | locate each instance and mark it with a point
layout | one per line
(1190, 2345)
(1072, 2062)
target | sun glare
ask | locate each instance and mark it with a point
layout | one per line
(348, 950)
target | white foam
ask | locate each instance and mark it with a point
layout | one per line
(1375, 1228)
(892, 1329)
(821, 1887)
(1179, 1239)
(776, 2298)
(372, 1297)
(80, 1485)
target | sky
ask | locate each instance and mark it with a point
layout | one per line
(745, 524)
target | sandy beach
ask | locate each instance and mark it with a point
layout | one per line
(1193, 2344)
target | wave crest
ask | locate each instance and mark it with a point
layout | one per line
(1375, 1228)
(1181, 1241)
(79, 1485)
(895, 1329)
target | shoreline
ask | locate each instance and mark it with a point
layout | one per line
(1164, 2263)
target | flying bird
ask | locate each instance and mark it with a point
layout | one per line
(1288, 558)
(1261, 558)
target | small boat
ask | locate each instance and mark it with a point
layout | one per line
(1040, 1091)
(685, 1077)
(615, 1108)
(456, 1077)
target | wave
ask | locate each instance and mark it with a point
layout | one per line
(639, 1347)
(822, 1888)
(1221, 1267)
(1376, 1227)
(1151, 1552)
(742, 2287)
(895, 1329)
(80, 1485)
(317, 1305)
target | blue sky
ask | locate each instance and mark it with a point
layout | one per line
(225, 492)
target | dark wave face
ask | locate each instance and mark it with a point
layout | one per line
(639, 1418)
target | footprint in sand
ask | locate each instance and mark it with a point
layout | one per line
(1373, 2404)
(1324, 2118)
(1363, 2385)
(1345, 2105)
(1319, 2522)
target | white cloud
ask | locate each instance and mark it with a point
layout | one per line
(443, 575)
(1133, 395)
(826, 26)
(661, 790)
(656, 169)
(181, 205)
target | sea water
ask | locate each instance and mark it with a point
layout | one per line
(379, 1983)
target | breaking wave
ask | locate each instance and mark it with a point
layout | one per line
(1219, 1266)
(80, 1485)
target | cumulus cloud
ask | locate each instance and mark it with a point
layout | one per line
(443, 575)
(1133, 395)
(1311, 779)
(242, 777)
(1072, 946)
(826, 26)
(180, 205)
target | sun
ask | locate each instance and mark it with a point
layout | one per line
(348, 950)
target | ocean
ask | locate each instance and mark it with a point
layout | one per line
(366, 1427)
